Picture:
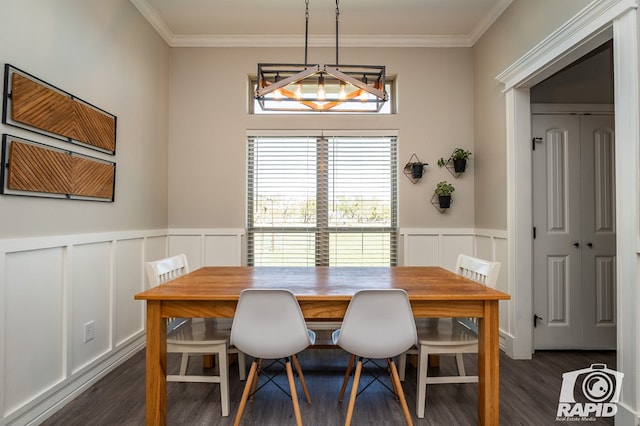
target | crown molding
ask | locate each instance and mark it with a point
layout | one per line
(489, 19)
(260, 40)
(319, 41)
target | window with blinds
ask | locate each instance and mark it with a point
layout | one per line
(322, 201)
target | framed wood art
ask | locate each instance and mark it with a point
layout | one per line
(32, 104)
(34, 169)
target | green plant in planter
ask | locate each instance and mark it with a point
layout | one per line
(459, 158)
(444, 188)
(443, 191)
(460, 154)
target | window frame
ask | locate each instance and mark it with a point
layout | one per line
(322, 229)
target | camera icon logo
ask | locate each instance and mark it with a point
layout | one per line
(589, 393)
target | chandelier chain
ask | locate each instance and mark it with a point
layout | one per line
(306, 30)
(337, 20)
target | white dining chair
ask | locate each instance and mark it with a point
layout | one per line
(378, 324)
(195, 336)
(449, 336)
(268, 324)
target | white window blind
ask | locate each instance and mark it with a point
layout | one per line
(322, 201)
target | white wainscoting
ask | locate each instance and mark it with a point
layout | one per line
(50, 287)
(441, 247)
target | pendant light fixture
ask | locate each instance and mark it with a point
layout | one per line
(321, 87)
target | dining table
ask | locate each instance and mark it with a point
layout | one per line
(323, 294)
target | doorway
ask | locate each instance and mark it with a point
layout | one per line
(574, 221)
(573, 205)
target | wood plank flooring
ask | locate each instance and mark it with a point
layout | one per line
(529, 391)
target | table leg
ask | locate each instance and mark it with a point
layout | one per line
(488, 366)
(156, 379)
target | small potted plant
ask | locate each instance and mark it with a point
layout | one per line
(416, 168)
(459, 158)
(444, 190)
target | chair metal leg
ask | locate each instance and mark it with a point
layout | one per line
(301, 376)
(294, 394)
(245, 394)
(354, 393)
(346, 377)
(398, 388)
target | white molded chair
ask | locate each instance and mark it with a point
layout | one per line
(268, 324)
(450, 336)
(190, 336)
(378, 324)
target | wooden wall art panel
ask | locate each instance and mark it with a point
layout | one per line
(32, 104)
(40, 170)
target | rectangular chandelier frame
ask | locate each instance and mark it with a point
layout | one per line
(321, 87)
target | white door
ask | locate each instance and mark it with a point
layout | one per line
(574, 244)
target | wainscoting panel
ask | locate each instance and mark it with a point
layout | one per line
(90, 302)
(208, 247)
(129, 317)
(34, 324)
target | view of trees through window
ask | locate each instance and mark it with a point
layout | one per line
(322, 201)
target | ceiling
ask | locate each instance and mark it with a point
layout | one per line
(382, 23)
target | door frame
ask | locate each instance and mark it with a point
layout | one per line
(598, 22)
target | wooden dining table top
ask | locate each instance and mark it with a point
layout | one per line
(321, 283)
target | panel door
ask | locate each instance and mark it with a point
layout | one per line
(574, 248)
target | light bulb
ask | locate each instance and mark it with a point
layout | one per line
(299, 91)
(342, 95)
(321, 93)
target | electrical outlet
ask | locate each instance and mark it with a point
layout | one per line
(88, 331)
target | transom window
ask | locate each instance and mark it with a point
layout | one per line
(322, 200)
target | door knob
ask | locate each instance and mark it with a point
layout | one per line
(576, 244)
(590, 244)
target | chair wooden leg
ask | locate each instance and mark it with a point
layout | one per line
(398, 388)
(247, 389)
(423, 365)
(294, 394)
(255, 381)
(346, 377)
(393, 383)
(301, 376)
(354, 393)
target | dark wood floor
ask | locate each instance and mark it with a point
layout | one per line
(529, 392)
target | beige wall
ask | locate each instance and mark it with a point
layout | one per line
(107, 54)
(209, 119)
(523, 25)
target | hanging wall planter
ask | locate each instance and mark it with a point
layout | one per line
(457, 163)
(443, 192)
(415, 168)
